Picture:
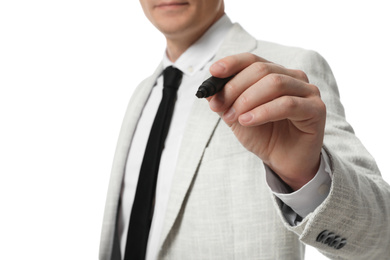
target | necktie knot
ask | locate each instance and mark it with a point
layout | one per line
(172, 77)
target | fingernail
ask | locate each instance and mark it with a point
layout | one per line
(218, 67)
(246, 118)
(229, 115)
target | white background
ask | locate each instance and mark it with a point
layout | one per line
(68, 68)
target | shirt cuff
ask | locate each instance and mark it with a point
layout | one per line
(310, 196)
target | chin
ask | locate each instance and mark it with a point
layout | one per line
(175, 26)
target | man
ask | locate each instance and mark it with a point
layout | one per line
(212, 201)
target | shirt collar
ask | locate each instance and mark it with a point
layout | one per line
(203, 50)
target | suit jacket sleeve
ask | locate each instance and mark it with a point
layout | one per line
(357, 210)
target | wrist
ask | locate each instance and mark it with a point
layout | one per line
(296, 177)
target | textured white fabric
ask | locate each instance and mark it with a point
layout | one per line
(220, 206)
(193, 63)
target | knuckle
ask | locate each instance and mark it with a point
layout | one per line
(261, 68)
(288, 102)
(265, 112)
(276, 80)
(302, 75)
(230, 88)
(243, 101)
(250, 56)
(314, 89)
(241, 104)
(319, 108)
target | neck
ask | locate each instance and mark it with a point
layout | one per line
(177, 45)
(175, 48)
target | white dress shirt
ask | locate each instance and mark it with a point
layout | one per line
(194, 63)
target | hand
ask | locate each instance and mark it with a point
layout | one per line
(274, 112)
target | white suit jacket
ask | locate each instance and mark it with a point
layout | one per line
(220, 206)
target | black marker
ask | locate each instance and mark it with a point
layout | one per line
(211, 86)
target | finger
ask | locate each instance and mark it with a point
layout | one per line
(304, 111)
(233, 64)
(269, 88)
(245, 79)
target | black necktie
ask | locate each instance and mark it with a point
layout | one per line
(142, 211)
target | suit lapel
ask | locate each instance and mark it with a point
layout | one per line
(132, 115)
(199, 130)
